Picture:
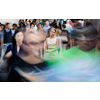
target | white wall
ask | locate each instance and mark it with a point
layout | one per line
(11, 21)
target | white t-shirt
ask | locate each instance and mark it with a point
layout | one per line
(68, 27)
(82, 23)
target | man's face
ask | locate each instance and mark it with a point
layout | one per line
(8, 26)
(21, 25)
(32, 26)
(85, 45)
(15, 27)
(47, 24)
(32, 43)
(39, 26)
(2, 26)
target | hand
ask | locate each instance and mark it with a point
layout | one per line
(2, 46)
(47, 51)
(9, 54)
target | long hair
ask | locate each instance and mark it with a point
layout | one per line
(10, 60)
(13, 38)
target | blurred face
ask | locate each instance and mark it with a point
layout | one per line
(8, 26)
(40, 20)
(85, 45)
(21, 25)
(0, 29)
(27, 21)
(52, 32)
(39, 26)
(47, 24)
(32, 43)
(37, 20)
(2, 26)
(15, 27)
(52, 20)
(32, 26)
(19, 37)
(31, 20)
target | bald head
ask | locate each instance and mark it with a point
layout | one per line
(68, 21)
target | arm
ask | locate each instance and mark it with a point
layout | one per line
(8, 52)
(72, 42)
(2, 40)
(2, 43)
(69, 38)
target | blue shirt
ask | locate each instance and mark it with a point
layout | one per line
(1, 34)
(72, 31)
(46, 28)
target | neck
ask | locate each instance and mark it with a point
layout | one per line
(63, 28)
(51, 36)
(6, 28)
(32, 27)
(18, 44)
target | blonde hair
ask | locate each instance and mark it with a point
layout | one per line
(58, 32)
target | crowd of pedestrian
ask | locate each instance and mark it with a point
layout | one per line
(32, 42)
(64, 25)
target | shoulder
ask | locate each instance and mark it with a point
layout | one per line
(47, 38)
(44, 26)
(57, 39)
(9, 46)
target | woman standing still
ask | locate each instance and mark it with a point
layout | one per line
(51, 45)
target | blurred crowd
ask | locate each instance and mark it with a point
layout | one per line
(34, 49)
(64, 26)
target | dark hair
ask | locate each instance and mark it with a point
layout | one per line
(89, 24)
(14, 24)
(27, 19)
(78, 24)
(30, 21)
(7, 23)
(32, 24)
(13, 38)
(22, 23)
(3, 25)
(64, 26)
(38, 24)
